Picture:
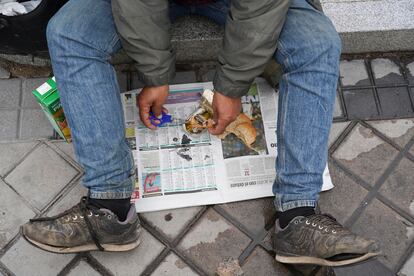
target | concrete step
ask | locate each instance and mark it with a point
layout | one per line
(364, 26)
(373, 25)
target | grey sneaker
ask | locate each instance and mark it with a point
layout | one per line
(321, 240)
(84, 228)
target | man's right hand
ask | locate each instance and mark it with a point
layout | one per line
(151, 98)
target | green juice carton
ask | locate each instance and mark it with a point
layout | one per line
(48, 97)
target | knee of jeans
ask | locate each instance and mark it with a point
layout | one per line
(327, 41)
(55, 30)
(65, 32)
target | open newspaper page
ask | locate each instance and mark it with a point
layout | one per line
(176, 169)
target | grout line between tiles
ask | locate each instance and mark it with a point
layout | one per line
(96, 265)
(172, 245)
(255, 239)
(381, 135)
(156, 262)
(374, 190)
(69, 266)
(407, 254)
(5, 270)
(342, 136)
(404, 71)
(25, 201)
(342, 101)
(395, 207)
(374, 88)
(30, 151)
(19, 113)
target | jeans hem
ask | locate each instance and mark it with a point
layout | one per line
(282, 207)
(110, 195)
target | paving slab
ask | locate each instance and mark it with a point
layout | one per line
(133, 262)
(4, 73)
(37, 262)
(68, 199)
(173, 265)
(386, 71)
(344, 198)
(336, 130)
(213, 240)
(2, 272)
(28, 100)
(354, 73)
(252, 214)
(83, 268)
(66, 148)
(10, 93)
(34, 124)
(365, 154)
(171, 222)
(399, 186)
(412, 151)
(267, 240)
(395, 233)
(410, 72)
(408, 268)
(395, 102)
(13, 213)
(41, 176)
(400, 131)
(360, 104)
(371, 267)
(12, 153)
(8, 123)
(262, 263)
(337, 107)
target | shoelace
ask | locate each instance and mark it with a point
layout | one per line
(325, 220)
(83, 208)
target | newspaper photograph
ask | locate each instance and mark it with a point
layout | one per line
(175, 168)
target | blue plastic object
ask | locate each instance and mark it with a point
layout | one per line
(166, 118)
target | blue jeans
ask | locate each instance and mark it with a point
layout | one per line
(81, 43)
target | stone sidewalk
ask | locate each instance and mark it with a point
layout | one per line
(371, 163)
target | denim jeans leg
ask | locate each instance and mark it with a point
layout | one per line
(81, 38)
(308, 50)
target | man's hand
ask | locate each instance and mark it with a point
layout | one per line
(151, 99)
(226, 110)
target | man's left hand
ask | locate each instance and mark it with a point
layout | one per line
(226, 109)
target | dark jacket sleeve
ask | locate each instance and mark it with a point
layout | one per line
(144, 29)
(250, 39)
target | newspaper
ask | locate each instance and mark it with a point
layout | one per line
(175, 169)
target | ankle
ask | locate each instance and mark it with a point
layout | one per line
(120, 207)
(287, 216)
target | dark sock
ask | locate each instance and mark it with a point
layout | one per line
(119, 207)
(286, 216)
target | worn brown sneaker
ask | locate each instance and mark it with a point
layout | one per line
(320, 240)
(84, 228)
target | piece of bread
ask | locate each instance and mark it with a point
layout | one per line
(243, 128)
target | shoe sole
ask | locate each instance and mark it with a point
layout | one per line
(323, 262)
(85, 248)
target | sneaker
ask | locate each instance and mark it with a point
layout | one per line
(320, 240)
(84, 228)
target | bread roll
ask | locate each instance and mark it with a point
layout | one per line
(243, 128)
